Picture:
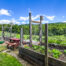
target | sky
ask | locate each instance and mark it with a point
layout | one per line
(17, 11)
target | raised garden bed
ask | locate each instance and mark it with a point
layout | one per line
(38, 58)
(57, 46)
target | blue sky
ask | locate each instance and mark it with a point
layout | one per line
(17, 11)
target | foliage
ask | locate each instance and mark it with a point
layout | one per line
(35, 47)
(2, 48)
(41, 49)
(49, 51)
(57, 39)
(53, 28)
(56, 53)
(64, 51)
(26, 46)
(60, 39)
(56, 31)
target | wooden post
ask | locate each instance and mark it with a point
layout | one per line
(7, 33)
(46, 44)
(11, 31)
(15, 34)
(3, 32)
(40, 29)
(21, 37)
(30, 26)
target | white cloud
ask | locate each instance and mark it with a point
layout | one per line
(23, 22)
(36, 17)
(50, 17)
(64, 21)
(5, 21)
(23, 18)
(4, 12)
(17, 23)
(63, 16)
(45, 21)
(27, 18)
(14, 21)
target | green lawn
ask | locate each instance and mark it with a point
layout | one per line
(8, 60)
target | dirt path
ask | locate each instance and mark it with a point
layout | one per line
(15, 54)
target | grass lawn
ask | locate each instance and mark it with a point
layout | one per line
(8, 60)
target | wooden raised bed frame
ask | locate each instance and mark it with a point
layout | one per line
(37, 59)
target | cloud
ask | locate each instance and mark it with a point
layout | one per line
(4, 12)
(63, 16)
(14, 21)
(23, 18)
(64, 21)
(23, 22)
(5, 21)
(17, 23)
(36, 17)
(27, 18)
(50, 17)
(45, 21)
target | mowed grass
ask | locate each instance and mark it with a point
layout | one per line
(8, 60)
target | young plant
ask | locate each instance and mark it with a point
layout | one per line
(56, 53)
(35, 47)
(26, 46)
(49, 51)
(42, 48)
(65, 51)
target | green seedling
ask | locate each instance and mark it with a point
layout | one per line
(64, 51)
(56, 53)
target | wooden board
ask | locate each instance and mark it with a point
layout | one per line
(35, 21)
(39, 58)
